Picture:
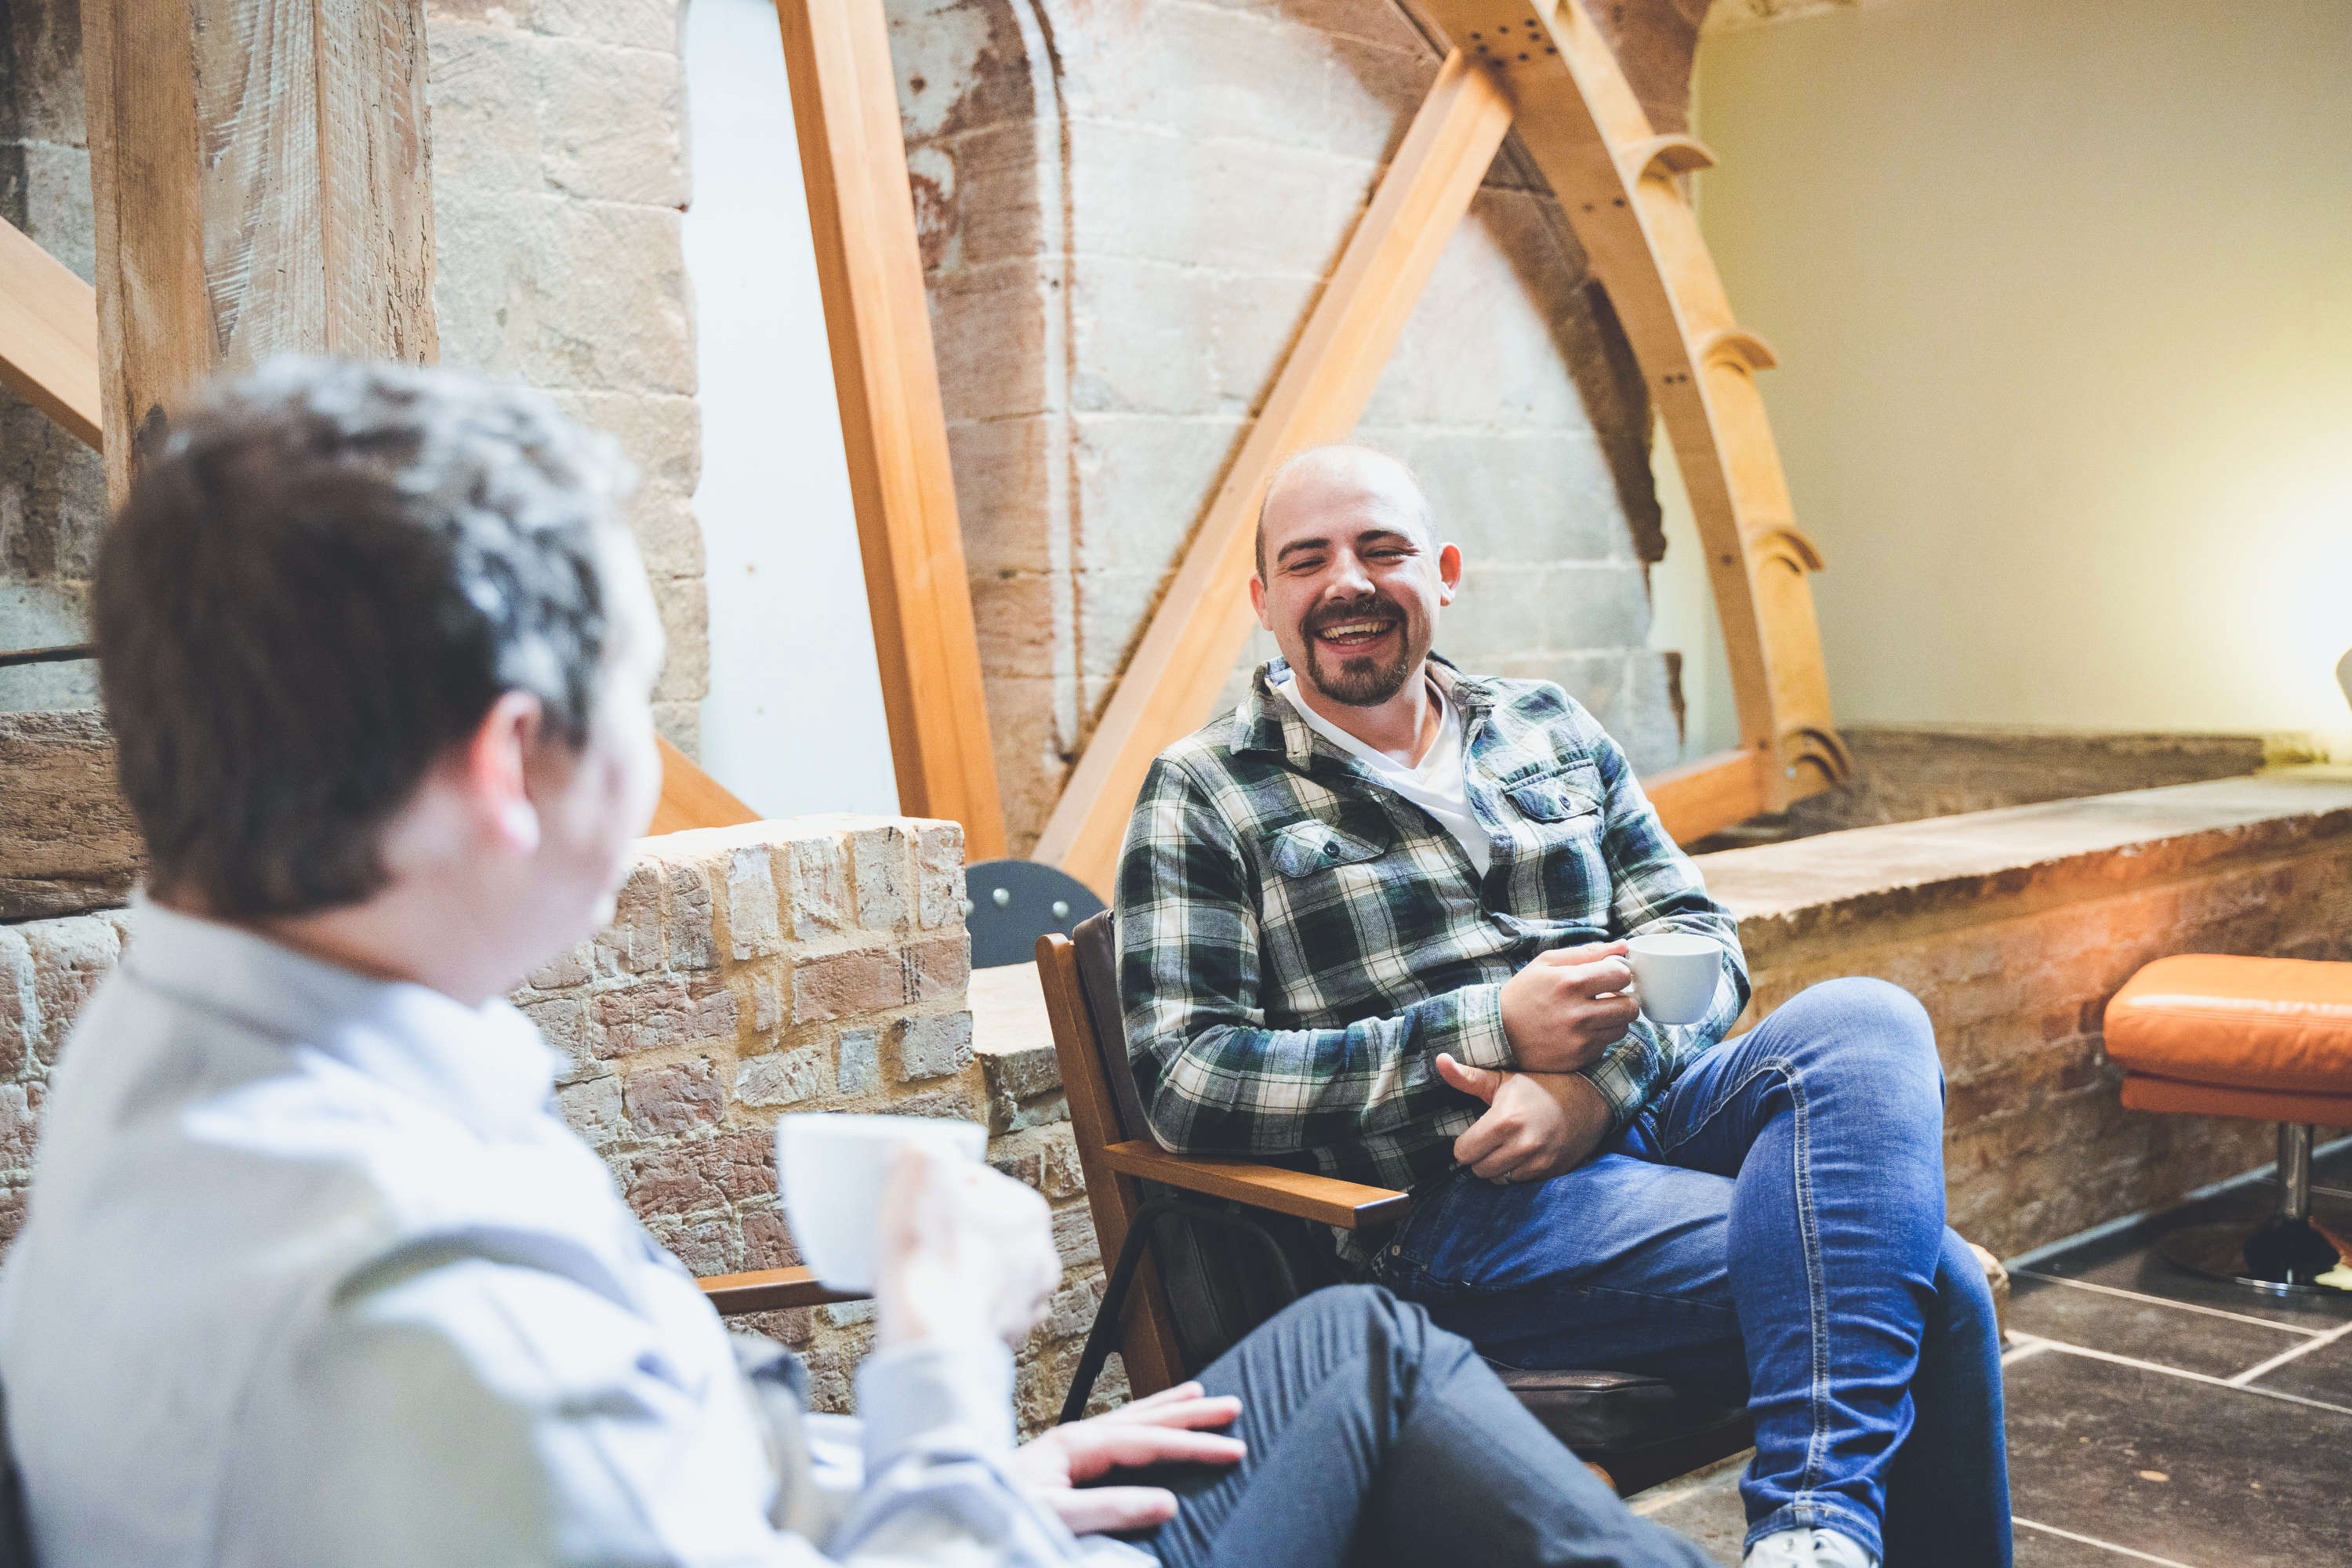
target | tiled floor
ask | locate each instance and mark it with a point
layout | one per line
(2154, 1418)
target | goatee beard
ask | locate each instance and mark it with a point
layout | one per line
(1361, 681)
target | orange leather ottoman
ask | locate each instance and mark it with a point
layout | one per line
(2265, 1038)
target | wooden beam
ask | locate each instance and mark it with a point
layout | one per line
(768, 1290)
(894, 430)
(692, 798)
(1190, 645)
(48, 334)
(1709, 794)
(262, 184)
(1617, 182)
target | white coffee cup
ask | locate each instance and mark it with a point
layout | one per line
(833, 1166)
(1674, 974)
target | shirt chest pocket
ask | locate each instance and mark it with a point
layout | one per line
(1306, 848)
(1560, 797)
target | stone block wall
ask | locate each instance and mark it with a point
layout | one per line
(559, 176)
(813, 964)
(558, 173)
(1127, 216)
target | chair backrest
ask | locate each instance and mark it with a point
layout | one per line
(1014, 902)
(1097, 942)
(1201, 1289)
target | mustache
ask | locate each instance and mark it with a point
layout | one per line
(1375, 608)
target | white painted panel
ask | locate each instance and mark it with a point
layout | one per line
(2060, 296)
(793, 722)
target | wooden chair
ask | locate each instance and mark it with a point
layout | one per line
(1202, 1250)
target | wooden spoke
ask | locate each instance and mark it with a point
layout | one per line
(1200, 627)
(692, 798)
(48, 334)
(894, 430)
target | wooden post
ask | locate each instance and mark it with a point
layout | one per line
(262, 184)
(893, 427)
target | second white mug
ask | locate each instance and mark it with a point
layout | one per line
(834, 1167)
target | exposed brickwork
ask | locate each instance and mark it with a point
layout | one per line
(816, 964)
(68, 842)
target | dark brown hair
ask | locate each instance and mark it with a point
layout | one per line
(323, 577)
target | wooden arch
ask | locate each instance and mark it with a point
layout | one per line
(1542, 67)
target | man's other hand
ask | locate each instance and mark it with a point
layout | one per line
(966, 1252)
(1570, 1005)
(1537, 1126)
(1164, 1429)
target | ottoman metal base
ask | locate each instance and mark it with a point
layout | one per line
(2282, 1253)
(2277, 1257)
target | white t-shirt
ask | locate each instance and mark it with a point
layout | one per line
(1436, 785)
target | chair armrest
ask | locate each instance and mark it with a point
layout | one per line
(1323, 1199)
(769, 1289)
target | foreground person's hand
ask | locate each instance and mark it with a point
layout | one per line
(1163, 1429)
(1568, 1006)
(966, 1252)
(1537, 1125)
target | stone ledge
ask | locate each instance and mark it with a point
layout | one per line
(1013, 1038)
(1817, 888)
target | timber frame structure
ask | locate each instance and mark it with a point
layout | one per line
(1539, 66)
(1542, 68)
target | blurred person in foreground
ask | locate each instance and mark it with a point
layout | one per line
(313, 1274)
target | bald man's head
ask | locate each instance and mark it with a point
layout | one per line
(1345, 465)
(1351, 572)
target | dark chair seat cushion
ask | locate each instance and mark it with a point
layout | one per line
(1616, 1412)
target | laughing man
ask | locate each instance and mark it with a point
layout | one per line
(1376, 919)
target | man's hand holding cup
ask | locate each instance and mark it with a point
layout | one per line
(1568, 1006)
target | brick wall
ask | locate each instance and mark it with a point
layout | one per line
(815, 964)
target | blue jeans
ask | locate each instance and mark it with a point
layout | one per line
(1378, 1441)
(1773, 1225)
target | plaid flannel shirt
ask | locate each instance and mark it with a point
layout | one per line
(1297, 942)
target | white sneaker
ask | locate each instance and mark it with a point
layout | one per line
(1808, 1548)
